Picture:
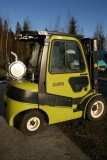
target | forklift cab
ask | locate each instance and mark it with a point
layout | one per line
(58, 61)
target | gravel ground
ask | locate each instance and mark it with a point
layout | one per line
(51, 144)
(91, 138)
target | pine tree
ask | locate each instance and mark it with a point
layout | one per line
(6, 29)
(1, 39)
(26, 25)
(72, 26)
(18, 28)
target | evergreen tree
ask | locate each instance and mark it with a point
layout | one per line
(6, 28)
(72, 26)
(1, 39)
(11, 41)
(18, 28)
(26, 25)
(1, 26)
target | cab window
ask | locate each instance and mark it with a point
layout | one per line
(66, 57)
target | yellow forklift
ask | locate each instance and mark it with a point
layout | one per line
(60, 82)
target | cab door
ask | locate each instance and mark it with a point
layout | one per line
(67, 73)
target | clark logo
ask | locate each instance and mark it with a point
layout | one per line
(58, 84)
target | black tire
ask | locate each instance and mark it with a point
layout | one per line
(96, 109)
(32, 122)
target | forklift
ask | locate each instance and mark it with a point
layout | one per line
(60, 82)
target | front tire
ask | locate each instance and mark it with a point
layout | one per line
(32, 122)
(96, 109)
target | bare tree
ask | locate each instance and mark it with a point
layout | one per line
(57, 26)
(99, 34)
(80, 30)
(106, 43)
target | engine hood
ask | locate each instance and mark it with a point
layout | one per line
(23, 91)
(25, 85)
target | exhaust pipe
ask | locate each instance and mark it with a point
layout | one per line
(15, 55)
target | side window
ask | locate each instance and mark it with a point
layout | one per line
(66, 57)
(57, 62)
(74, 59)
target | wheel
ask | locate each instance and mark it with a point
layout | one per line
(32, 122)
(96, 108)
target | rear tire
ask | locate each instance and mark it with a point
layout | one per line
(96, 109)
(32, 122)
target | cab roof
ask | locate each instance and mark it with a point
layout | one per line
(33, 35)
